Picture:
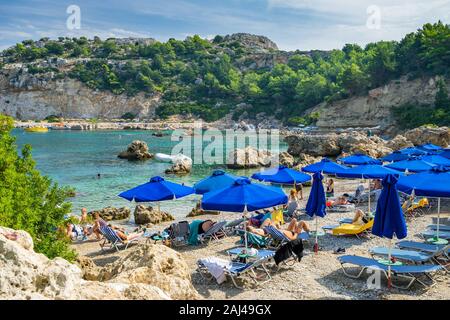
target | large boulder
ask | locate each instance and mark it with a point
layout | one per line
(181, 165)
(145, 215)
(285, 159)
(155, 265)
(304, 160)
(422, 135)
(315, 145)
(399, 142)
(112, 213)
(26, 275)
(136, 150)
(248, 157)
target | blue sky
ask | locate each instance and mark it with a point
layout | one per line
(292, 24)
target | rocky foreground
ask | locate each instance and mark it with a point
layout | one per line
(146, 271)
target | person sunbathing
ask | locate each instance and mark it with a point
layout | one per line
(340, 201)
(291, 232)
(260, 220)
(361, 218)
(205, 226)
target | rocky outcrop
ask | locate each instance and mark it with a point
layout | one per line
(251, 41)
(145, 215)
(27, 96)
(285, 159)
(249, 157)
(112, 213)
(154, 265)
(399, 142)
(304, 160)
(180, 165)
(198, 211)
(148, 272)
(137, 150)
(422, 135)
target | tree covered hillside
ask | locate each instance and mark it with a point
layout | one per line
(211, 78)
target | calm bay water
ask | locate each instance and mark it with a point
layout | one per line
(74, 158)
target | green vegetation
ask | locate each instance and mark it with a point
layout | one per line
(29, 201)
(209, 78)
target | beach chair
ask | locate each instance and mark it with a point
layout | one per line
(253, 240)
(432, 233)
(353, 229)
(417, 209)
(213, 233)
(413, 256)
(239, 270)
(292, 210)
(232, 226)
(113, 240)
(341, 208)
(435, 249)
(278, 237)
(411, 273)
(179, 233)
(442, 227)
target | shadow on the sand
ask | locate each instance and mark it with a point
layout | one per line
(338, 282)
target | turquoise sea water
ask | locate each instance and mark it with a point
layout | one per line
(75, 158)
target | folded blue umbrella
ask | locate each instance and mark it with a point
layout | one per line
(282, 175)
(412, 165)
(389, 219)
(316, 204)
(324, 166)
(218, 180)
(368, 171)
(395, 156)
(243, 195)
(157, 189)
(413, 151)
(437, 159)
(430, 147)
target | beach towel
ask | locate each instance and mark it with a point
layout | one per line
(216, 267)
(193, 232)
(277, 216)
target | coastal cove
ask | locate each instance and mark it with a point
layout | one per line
(74, 158)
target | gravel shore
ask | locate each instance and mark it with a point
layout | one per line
(317, 276)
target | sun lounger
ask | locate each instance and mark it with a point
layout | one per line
(411, 273)
(353, 229)
(238, 270)
(214, 232)
(113, 240)
(231, 226)
(262, 253)
(432, 233)
(341, 208)
(278, 237)
(345, 220)
(253, 240)
(442, 227)
(424, 247)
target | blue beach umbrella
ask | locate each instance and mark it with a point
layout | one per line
(218, 180)
(243, 196)
(413, 151)
(395, 156)
(433, 183)
(445, 153)
(389, 219)
(282, 175)
(324, 166)
(411, 165)
(316, 205)
(429, 147)
(368, 171)
(358, 159)
(157, 189)
(437, 159)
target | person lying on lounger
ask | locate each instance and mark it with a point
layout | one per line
(361, 218)
(291, 232)
(340, 201)
(260, 220)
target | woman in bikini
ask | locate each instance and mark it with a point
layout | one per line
(291, 232)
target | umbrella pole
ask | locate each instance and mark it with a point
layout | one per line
(389, 264)
(438, 219)
(245, 230)
(369, 196)
(316, 244)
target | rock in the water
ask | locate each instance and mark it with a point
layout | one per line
(145, 215)
(285, 159)
(181, 165)
(422, 135)
(155, 265)
(112, 213)
(249, 157)
(29, 275)
(137, 150)
(304, 160)
(198, 211)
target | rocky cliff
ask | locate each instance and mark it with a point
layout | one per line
(26, 96)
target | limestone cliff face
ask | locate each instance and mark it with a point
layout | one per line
(28, 97)
(375, 109)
